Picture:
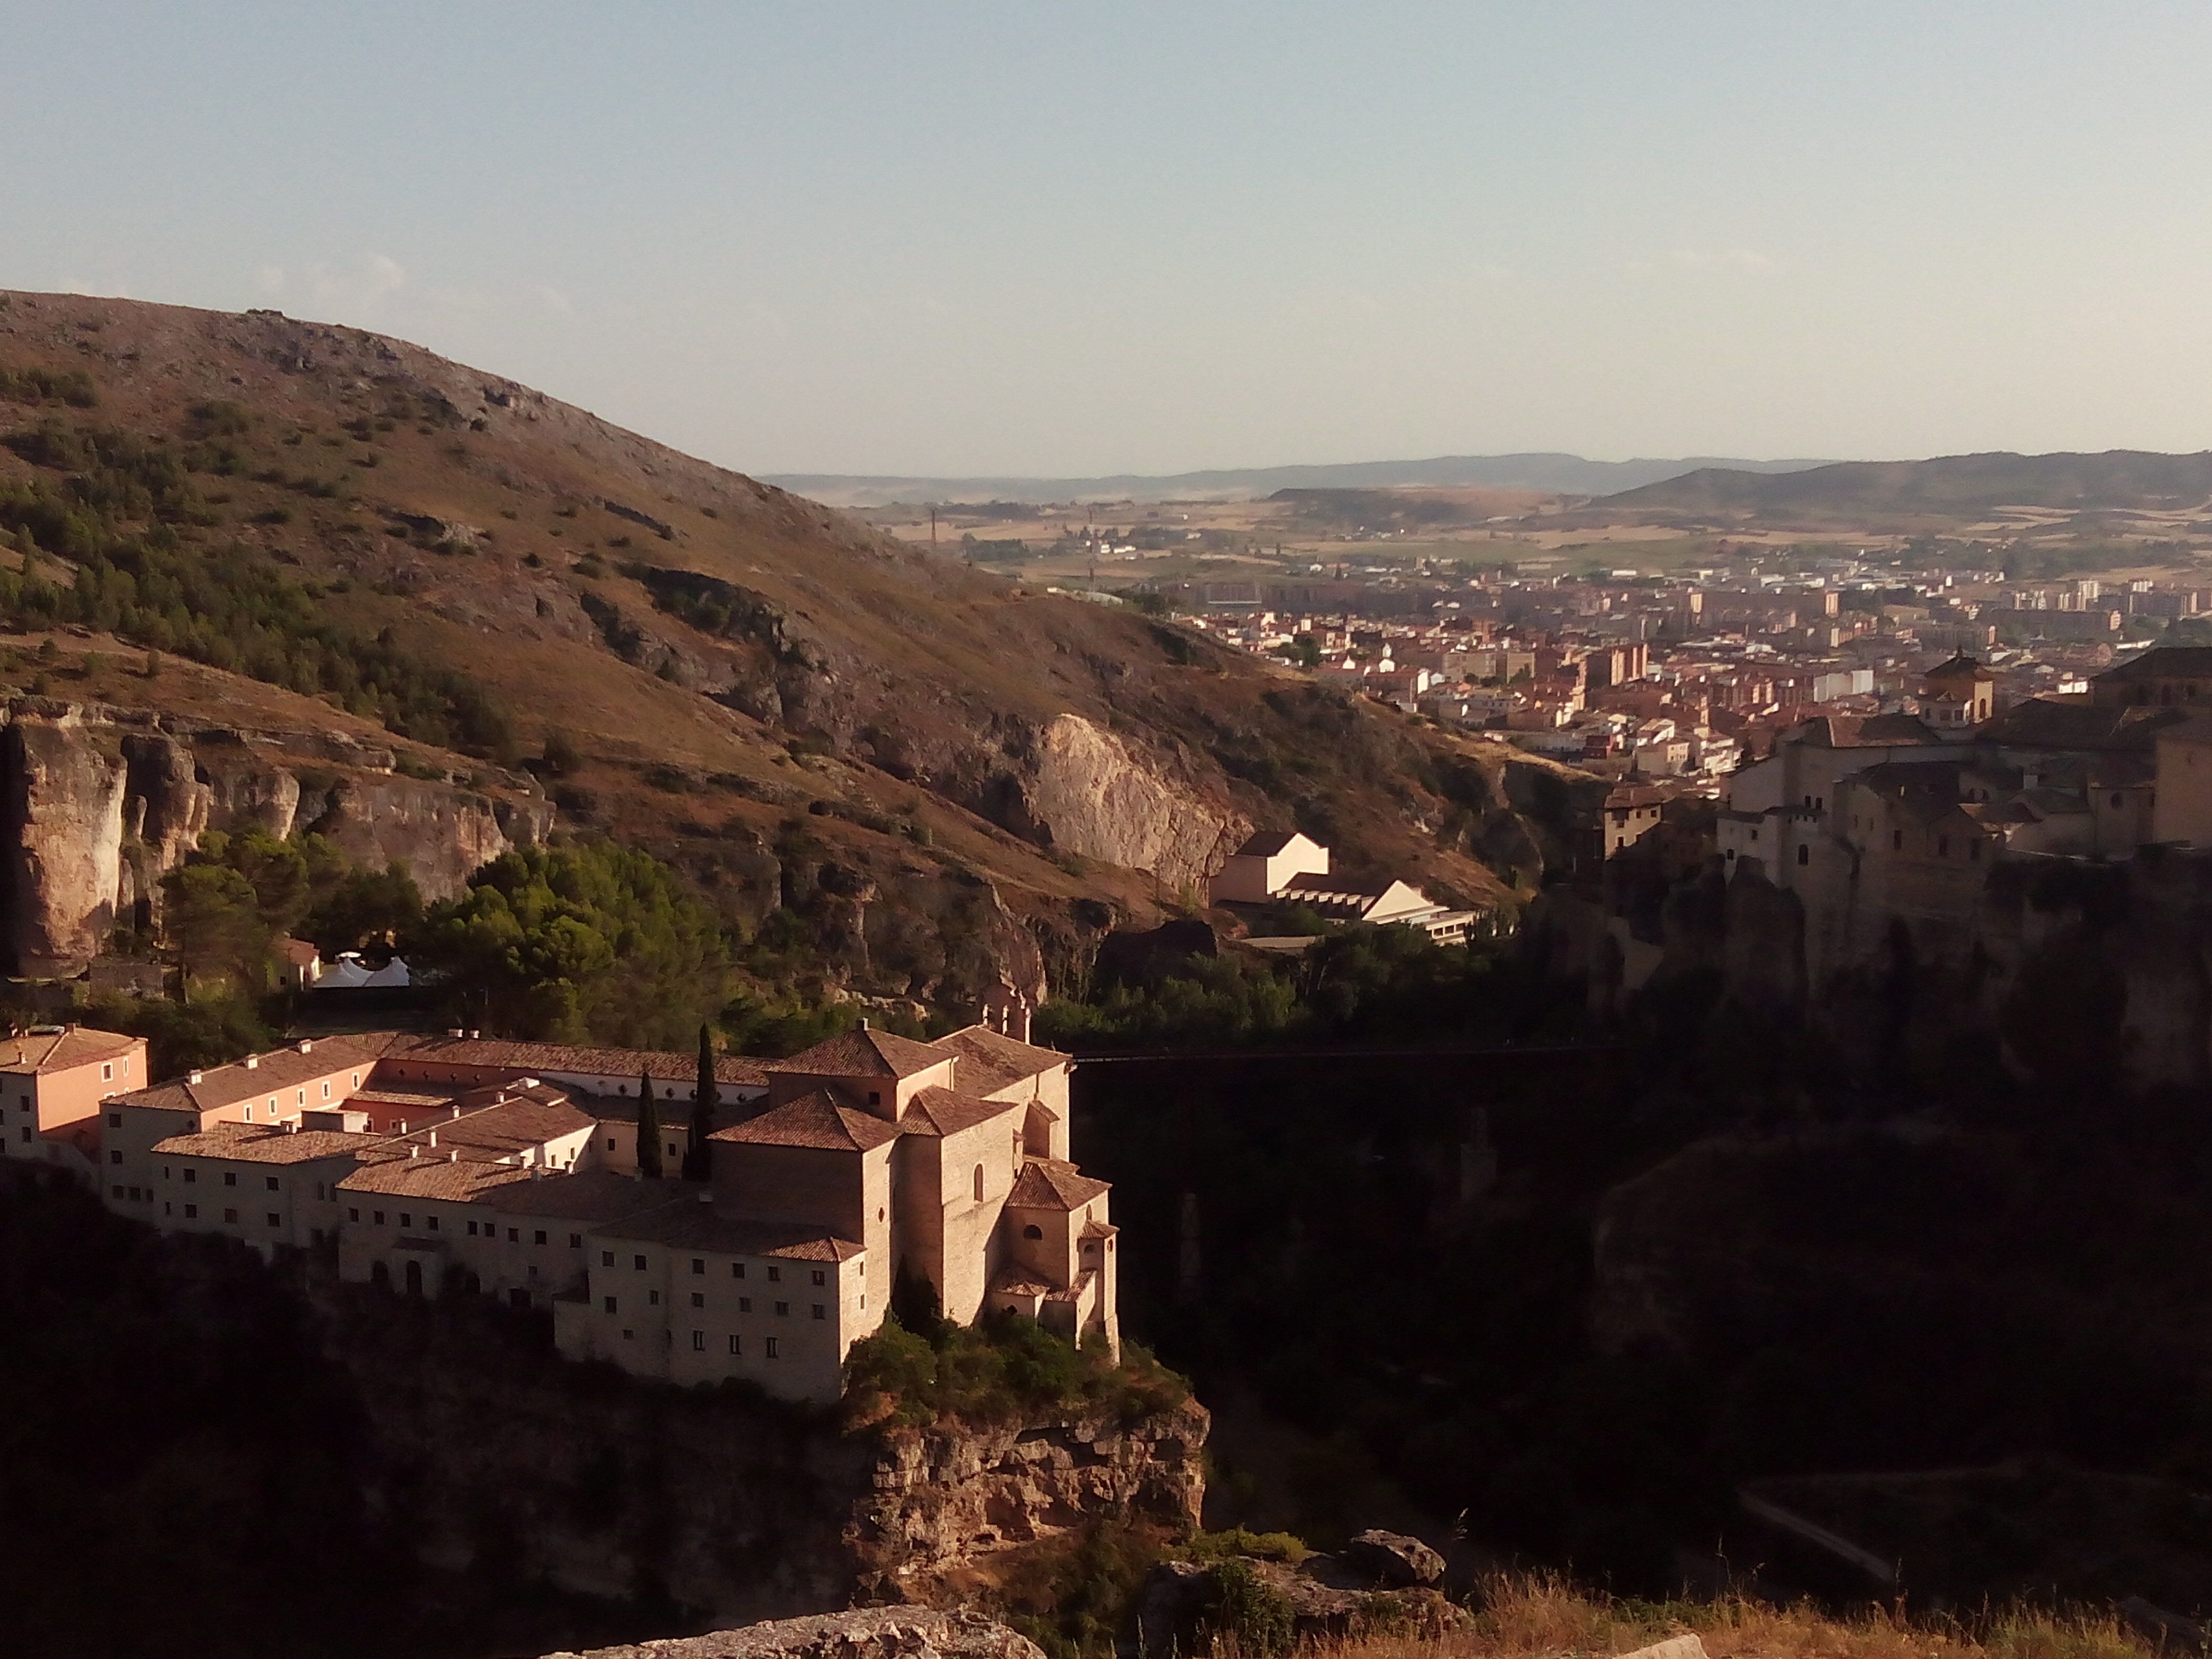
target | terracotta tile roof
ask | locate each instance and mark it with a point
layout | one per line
(943, 1112)
(863, 1053)
(254, 1143)
(659, 1064)
(526, 1118)
(58, 1048)
(819, 1120)
(594, 1195)
(1046, 1184)
(1014, 1279)
(694, 1227)
(454, 1180)
(998, 1055)
(267, 1073)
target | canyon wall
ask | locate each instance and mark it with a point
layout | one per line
(96, 804)
(490, 1454)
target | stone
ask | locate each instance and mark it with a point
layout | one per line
(1394, 1559)
(1674, 1647)
(864, 1634)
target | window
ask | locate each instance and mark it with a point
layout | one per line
(249, 1111)
(630, 1336)
(230, 1216)
(653, 1298)
(191, 1213)
(745, 1304)
(1804, 855)
(472, 1230)
(637, 1264)
(230, 1177)
(1897, 841)
(117, 1157)
(353, 1215)
(875, 1096)
(736, 1270)
(115, 1119)
(276, 1220)
(821, 1312)
(610, 1143)
(979, 1183)
(575, 1241)
(407, 1218)
(116, 1191)
(775, 1274)
(326, 1091)
(783, 1310)
(698, 1342)
(2115, 801)
(108, 1072)
(1032, 1231)
(771, 1347)
(541, 1236)
(431, 1222)
(737, 1344)
(609, 1303)
(820, 1277)
(606, 1258)
(377, 1216)
(514, 1235)
(698, 1298)
(698, 1264)
(269, 1181)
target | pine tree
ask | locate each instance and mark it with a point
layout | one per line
(648, 1131)
(698, 1157)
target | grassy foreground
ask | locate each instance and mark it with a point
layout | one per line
(1543, 1615)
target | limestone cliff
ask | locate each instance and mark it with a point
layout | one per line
(488, 1452)
(1090, 792)
(96, 804)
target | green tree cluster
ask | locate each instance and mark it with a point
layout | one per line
(1360, 983)
(226, 906)
(587, 943)
(1005, 1367)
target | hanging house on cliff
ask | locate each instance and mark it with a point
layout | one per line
(432, 1164)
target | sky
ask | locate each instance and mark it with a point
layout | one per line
(941, 238)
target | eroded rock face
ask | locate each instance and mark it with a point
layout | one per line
(943, 1494)
(1089, 793)
(96, 805)
(864, 1634)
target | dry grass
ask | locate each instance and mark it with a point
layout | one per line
(1544, 1616)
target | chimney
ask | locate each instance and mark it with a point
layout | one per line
(433, 1136)
(473, 1035)
(291, 1125)
(864, 1022)
(306, 1046)
(457, 1108)
(415, 1152)
(452, 1155)
(537, 1170)
(453, 1030)
(253, 1062)
(192, 1077)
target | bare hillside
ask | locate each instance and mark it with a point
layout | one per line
(711, 661)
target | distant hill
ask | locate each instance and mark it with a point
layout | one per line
(1556, 474)
(1947, 486)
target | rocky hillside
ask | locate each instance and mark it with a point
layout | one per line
(677, 653)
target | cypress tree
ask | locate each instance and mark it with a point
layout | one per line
(698, 1160)
(648, 1131)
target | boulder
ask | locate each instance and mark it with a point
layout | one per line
(1393, 1558)
(1674, 1647)
(1322, 1600)
(866, 1633)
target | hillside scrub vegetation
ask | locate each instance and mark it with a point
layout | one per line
(1005, 1368)
(1356, 984)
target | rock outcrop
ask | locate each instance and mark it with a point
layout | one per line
(863, 1634)
(96, 804)
(942, 1494)
(1183, 1606)
(1091, 793)
(485, 1447)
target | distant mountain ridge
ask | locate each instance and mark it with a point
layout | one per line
(2115, 479)
(1554, 473)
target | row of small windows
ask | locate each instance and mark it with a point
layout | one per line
(737, 1344)
(613, 1304)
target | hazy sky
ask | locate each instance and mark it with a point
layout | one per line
(1075, 239)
